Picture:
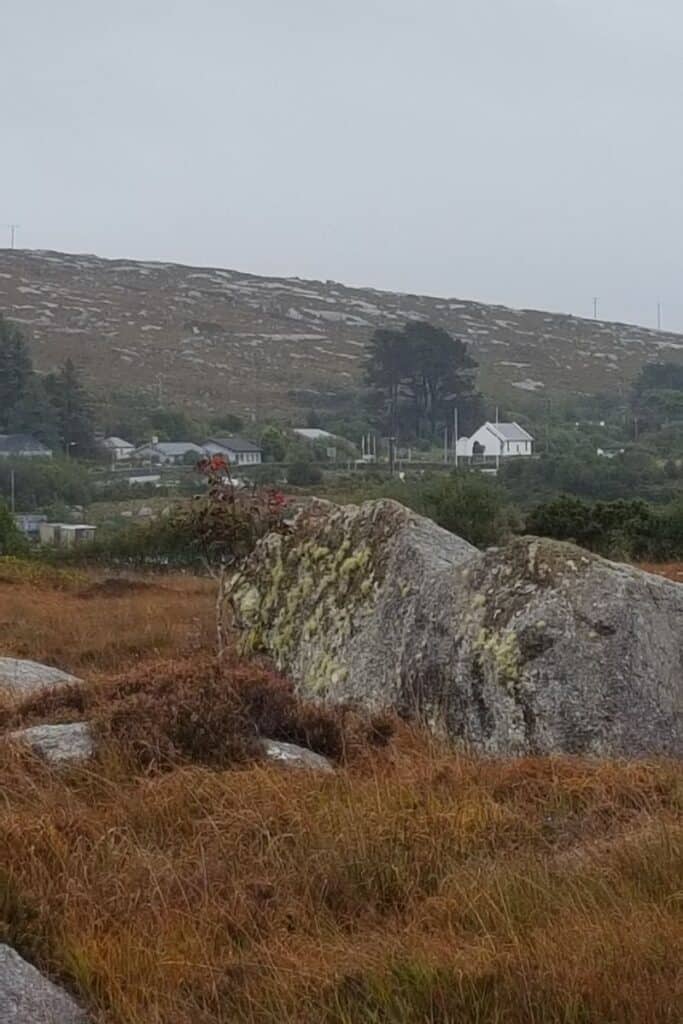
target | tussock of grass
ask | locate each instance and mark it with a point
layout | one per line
(419, 886)
(198, 711)
(412, 886)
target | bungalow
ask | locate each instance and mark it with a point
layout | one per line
(237, 451)
(118, 448)
(496, 440)
(23, 446)
(168, 453)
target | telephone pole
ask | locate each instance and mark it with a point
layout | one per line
(12, 233)
(595, 307)
(659, 316)
(392, 455)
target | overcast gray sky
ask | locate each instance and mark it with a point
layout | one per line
(527, 152)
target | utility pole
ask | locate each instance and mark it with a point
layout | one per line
(659, 316)
(455, 435)
(392, 441)
(595, 307)
(12, 233)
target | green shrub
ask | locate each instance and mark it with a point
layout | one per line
(39, 483)
(617, 529)
(471, 505)
(12, 540)
(304, 474)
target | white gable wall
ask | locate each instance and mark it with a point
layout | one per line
(493, 445)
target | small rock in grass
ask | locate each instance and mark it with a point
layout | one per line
(20, 678)
(56, 743)
(292, 756)
(27, 997)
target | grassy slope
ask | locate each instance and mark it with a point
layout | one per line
(414, 885)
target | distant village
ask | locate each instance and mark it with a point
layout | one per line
(491, 441)
(485, 448)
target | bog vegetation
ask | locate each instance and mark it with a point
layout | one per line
(178, 879)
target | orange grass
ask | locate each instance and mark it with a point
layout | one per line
(419, 887)
(94, 627)
(416, 886)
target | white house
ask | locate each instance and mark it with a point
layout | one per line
(496, 440)
(236, 450)
(168, 453)
(118, 448)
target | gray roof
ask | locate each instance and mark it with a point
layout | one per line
(234, 444)
(16, 443)
(511, 432)
(172, 447)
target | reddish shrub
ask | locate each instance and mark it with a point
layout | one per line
(214, 714)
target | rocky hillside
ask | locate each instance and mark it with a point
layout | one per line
(221, 339)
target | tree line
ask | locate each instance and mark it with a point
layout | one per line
(55, 408)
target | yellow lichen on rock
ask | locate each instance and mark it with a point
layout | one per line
(502, 652)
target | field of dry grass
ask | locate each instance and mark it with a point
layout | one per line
(89, 624)
(412, 885)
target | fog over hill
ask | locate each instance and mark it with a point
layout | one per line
(214, 339)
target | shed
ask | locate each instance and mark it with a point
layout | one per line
(66, 535)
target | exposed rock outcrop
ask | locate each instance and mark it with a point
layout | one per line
(539, 647)
(58, 743)
(20, 678)
(27, 997)
(292, 756)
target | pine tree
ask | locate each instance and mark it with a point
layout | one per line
(73, 410)
(16, 369)
(34, 414)
(418, 375)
